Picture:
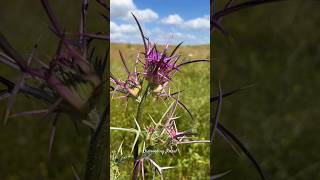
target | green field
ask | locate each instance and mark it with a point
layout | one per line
(193, 79)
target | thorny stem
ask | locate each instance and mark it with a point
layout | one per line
(98, 154)
(83, 22)
(138, 118)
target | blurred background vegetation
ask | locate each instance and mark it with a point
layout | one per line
(25, 141)
(274, 46)
(277, 47)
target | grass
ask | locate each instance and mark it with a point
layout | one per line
(194, 80)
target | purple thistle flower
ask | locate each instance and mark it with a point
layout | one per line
(159, 67)
(129, 87)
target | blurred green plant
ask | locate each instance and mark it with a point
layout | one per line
(72, 83)
(230, 7)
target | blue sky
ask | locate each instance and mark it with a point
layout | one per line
(163, 21)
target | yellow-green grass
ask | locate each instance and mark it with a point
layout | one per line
(193, 162)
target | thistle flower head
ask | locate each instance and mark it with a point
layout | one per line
(159, 67)
(72, 81)
(129, 87)
(132, 85)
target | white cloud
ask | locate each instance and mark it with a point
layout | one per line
(129, 33)
(198, 23)
(171, 37)
(146, 15)
(122, 9)
(123, 28)
(173, 19)
(123, 32)
(124, 38)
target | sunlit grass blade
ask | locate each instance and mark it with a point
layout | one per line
(75, 174)
(164, 114)
(159, 168)
(28, 113)
(164, 168)
(220, 175)
(217, 115)
(142, 169)
(183, 106)
(53, 133)
(12, 97)
(229, 141)
(8, 61)
(137, 132)
(153, 121)
(120, 148)
(124, 129)
(229, 3)
(12, 53)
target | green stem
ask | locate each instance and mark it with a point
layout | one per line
(138, 119)
(98, 154)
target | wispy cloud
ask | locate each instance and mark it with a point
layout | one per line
(197, 23)
(159, 26)
(172, 19)
(123, 28)
(123, 32)
(122, 9)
